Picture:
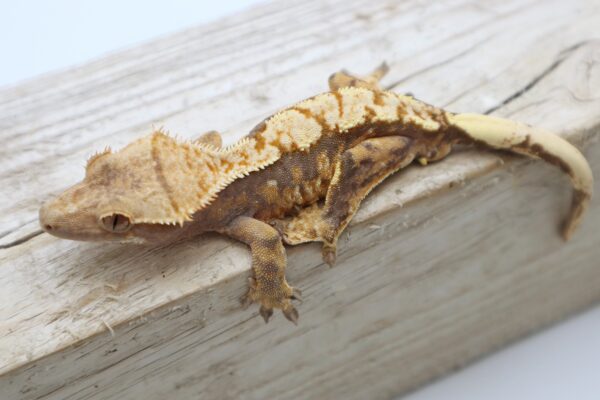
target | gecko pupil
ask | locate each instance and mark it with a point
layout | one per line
(116, 222)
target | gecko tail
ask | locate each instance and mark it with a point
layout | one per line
(499, 133)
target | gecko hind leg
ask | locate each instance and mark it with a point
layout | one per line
(359, 170)
(344, 79)
(303, 227)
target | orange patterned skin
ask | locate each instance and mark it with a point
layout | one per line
(299, 176)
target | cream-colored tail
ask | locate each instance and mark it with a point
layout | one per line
(504, 134)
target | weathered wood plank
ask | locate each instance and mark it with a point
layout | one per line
(423, 267)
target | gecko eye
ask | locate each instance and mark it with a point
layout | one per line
(116, 222)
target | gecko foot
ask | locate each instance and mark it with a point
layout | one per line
(270, 298)
(344, 78)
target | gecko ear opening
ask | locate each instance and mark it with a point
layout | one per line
(116, 222)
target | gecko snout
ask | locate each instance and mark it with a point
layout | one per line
(53, 221)
(48, 221)
(62, 218)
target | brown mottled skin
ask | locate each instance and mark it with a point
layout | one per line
(299, 176)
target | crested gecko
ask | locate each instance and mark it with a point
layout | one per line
(298, 176)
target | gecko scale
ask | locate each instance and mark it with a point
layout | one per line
(298, 176)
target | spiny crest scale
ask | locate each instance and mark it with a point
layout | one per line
(97, 155)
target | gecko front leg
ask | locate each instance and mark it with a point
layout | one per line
(268, 286)
(211, 138)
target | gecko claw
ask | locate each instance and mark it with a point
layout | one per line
(296, 295)
(291, 314)
(246, 299)
(266, 313)
(268, 301)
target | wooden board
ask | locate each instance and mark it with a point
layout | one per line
(442, 264)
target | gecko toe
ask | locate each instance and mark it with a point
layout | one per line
(271, 299)
(266, 313)
(291, 314)
(280, 226)
(329, 253)
(296, 295)
(245, 301)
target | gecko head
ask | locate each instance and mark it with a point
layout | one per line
(81, 213)
(121, 193)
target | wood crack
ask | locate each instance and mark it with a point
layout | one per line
(21, 240)
(562, 57)
(10, 231)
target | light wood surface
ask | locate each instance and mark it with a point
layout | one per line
(442, 264)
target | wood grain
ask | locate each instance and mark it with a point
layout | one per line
(442, 264)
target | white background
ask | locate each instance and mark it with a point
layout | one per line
(41, 36)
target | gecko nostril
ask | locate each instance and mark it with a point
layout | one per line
(48, 227)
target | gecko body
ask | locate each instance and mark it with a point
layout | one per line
(299, 176)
